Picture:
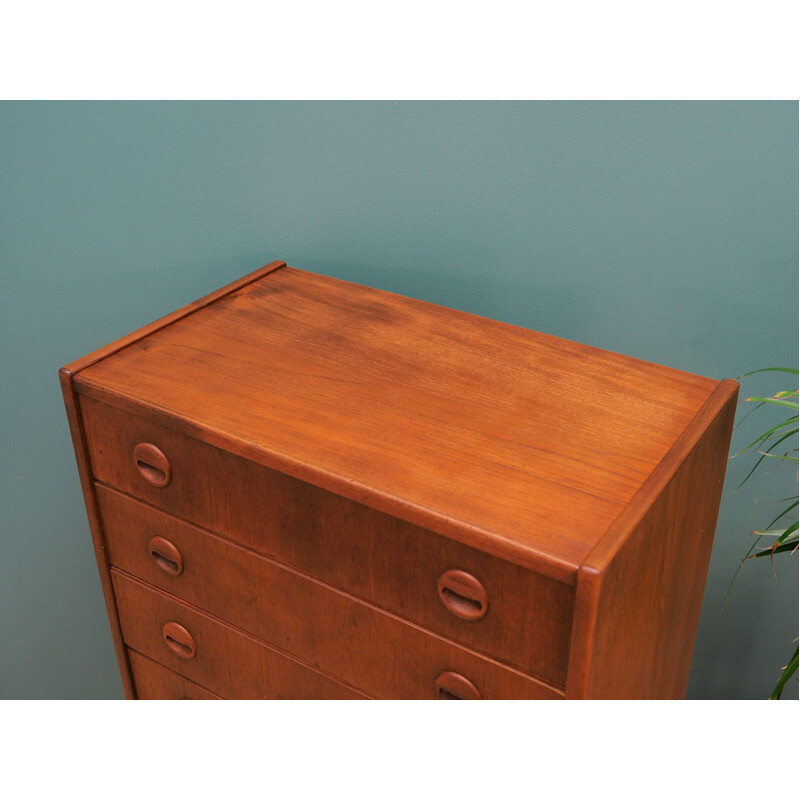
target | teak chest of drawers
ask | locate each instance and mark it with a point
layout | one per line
(303, 488)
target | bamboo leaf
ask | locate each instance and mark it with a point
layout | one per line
(784, 512)
(747, 555)
(784, 534)
(738, 569)
(766, 434)
(763, 455)
(772, 401)
(786, 547)
(752, 547)
(776, 533)
(790, 370)
(786, 539)
(788, 671)
(788, 532)
(751, 411)
(784, 457)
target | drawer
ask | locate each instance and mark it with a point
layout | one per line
(518, 617)
(378, 652)
(204, 650)
(154, 682)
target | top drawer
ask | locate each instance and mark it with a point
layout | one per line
(501, 609)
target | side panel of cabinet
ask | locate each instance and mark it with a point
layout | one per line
(92, 511)
(639, 594)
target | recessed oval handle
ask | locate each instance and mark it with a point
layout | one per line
(452, 686)
(179, 640)
(166, 556)
(152, 464)
(463, 594)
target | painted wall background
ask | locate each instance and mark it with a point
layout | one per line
(663, 230)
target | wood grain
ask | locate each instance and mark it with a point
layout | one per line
(77, 430)
(154, 682)
(78, 434)
(307, 464)
(370, 555)
(228, 662)
(348, 639)
(146, 330)
(507, 440)
(639, 594)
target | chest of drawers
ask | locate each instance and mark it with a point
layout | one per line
(298, 487)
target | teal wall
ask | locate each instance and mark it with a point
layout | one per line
(666, 231)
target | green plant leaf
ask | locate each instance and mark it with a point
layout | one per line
(780, 535)
(788, 671)
(790, 370)
(786, 547)
(753, 546)
(738, 569)
(785, 539)
(782, 514)
(784, 457)
(776, 533)
(772, 401)
(788, 532)
(763, 456)
(751, 411)
(768, 433)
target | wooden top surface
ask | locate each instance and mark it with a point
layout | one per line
(516, 442)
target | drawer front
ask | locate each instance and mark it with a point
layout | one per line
(154, 682)
(345, 637)
(524, 619)
(204, 650)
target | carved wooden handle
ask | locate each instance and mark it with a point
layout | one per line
(463, 594)
(166, 556)
(453, 686)
(179, 640)
(153, 465)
